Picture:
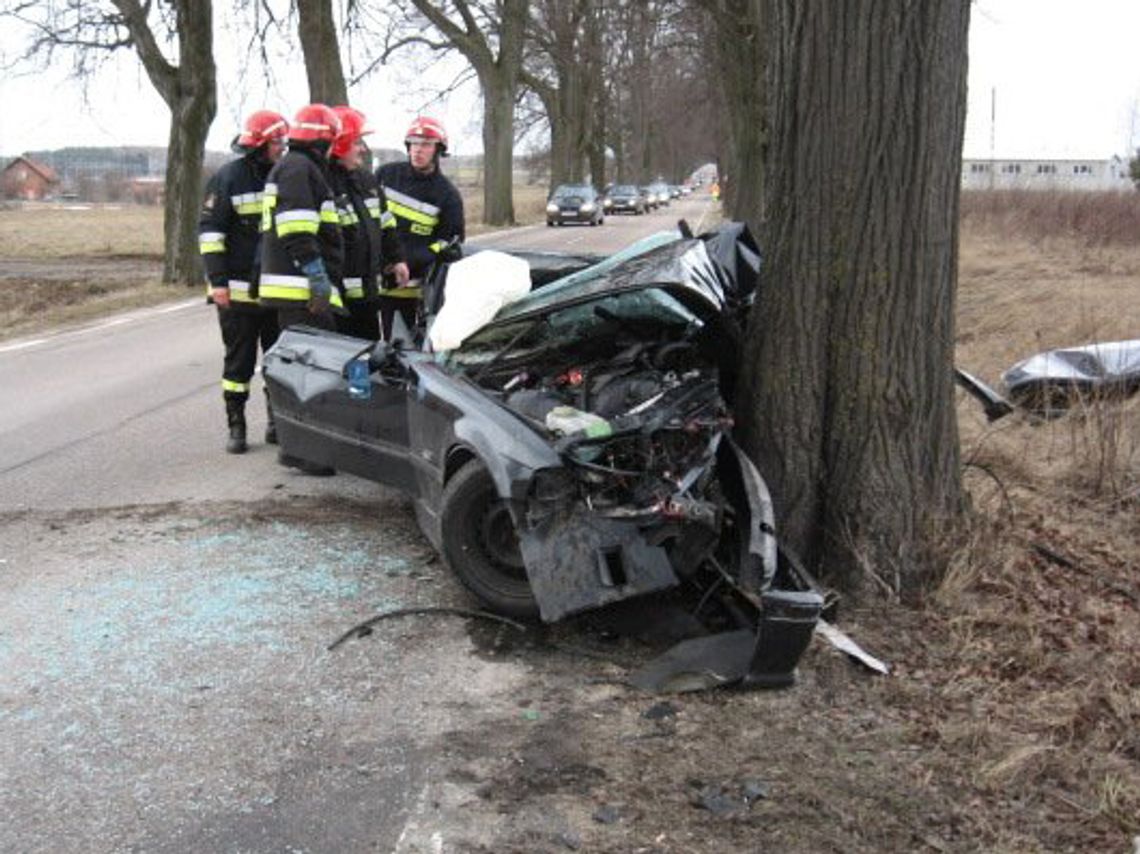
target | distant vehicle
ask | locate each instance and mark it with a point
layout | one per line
(652, 202)
(661, 190)
(674, 191)
(626, 198)
(575, 203)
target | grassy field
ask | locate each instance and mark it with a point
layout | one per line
(1012, 719)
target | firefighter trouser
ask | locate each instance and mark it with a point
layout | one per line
(407, 306)
(363, 321)
(242, 331)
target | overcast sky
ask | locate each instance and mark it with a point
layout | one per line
(1048, 78)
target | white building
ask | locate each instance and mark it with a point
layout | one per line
(1029, 174)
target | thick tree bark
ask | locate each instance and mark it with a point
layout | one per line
(190, 91)
(738, 26)
(498, 152)
(847, 394)
(317, 29)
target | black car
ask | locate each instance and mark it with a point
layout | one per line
(626, 198)
(575, 203)
(575, 450)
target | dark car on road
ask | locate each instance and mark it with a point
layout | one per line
(575, 203)
(575, 450)
(626, 198)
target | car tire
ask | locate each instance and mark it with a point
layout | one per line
(480, 544)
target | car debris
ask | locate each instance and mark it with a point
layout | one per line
(1057, 379)
(576, 450)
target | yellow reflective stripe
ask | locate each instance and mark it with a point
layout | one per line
(347, 218)
(421, 229)
(329, 213)
(354, 287)
(411, 202)
(387, 220)
(247, 203)
(408, 292)
(411, 215)
(210, 242)
(301, 221)
(291, 288)
(230, 385)
(437, 246)
(239, 291)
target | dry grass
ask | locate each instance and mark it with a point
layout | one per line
(58, 231)
(530, 206)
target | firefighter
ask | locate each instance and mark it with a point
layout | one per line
(428, 211)
(368, 228)
(302, 250)
(301, 246)
(228, 234)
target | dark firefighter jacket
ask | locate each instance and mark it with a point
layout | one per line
(369, 231)
(229, 228)
(428, 211)
(299, 223)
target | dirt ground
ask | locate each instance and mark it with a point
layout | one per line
(1011, 718)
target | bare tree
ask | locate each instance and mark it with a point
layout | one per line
(91, 30)
(740, 64)
(490, 36)
(846, 395)
(558, 69)
(316, 27)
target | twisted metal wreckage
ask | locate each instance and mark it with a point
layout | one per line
(565, 435)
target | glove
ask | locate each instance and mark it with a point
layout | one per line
(451, 252)
(320, 285)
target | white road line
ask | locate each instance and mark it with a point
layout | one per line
(22, 345)
(131, 317)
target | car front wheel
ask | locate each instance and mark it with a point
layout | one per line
(480, 543)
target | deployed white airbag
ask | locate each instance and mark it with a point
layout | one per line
(477, 287)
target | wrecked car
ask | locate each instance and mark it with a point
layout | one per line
(575, 449)
(1056, 379)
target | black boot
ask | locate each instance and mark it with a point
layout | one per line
(235, 417)
(270, 423)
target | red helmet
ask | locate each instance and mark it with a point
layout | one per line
(427, 128)
(314, 123)
(261, 127)
(351, 129)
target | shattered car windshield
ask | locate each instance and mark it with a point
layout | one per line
(639, 313)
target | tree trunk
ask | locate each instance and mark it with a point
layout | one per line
(847, 396)
(499, 80)
(190, 91)
(192, 117)
(498, 152)
(317, 29)
(739, 26)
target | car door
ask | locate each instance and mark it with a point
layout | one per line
(366, 433)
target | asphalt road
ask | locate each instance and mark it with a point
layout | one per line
(165, 613)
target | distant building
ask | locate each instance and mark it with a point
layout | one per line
(1026, 174)
(147, 190)
(24, 178)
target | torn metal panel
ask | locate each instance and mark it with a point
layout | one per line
(843, 642)
(578, 560)
(1057, 378)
